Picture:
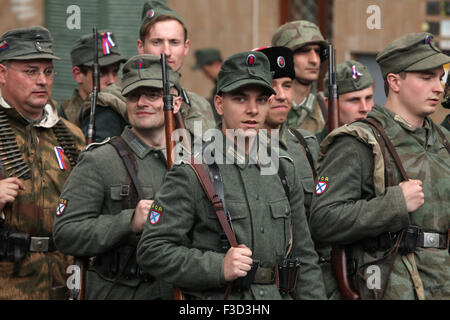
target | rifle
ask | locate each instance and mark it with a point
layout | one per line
(446, 100)
(96, 84)
(83, 262)
(338, 254)
(169, 119)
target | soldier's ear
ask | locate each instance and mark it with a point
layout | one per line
(177, 101)
(393, 81)
(3, 70)
(76, 73)
(218, 103)
(140, 46)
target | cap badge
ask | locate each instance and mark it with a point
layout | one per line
(150, 13)
(251, 60)
(355, 73)
(428, 39)
(281, 62)
(107, 43)
(3, 45)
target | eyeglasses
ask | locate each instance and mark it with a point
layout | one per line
(33, 73)
(150, 95)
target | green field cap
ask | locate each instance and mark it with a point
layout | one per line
(206, 56)
(350, 76)
(245, 68)
(108, 50)
(145, 71)
(26, 44)
(412, 52)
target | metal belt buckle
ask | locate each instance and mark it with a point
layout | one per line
(430, 240)
(39, 244)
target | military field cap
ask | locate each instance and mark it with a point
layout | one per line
(245, 68)
(82, 53)
(297, 34)
(206, 56)
(26, 44)
(412, 52)
(281, 61)
(350, 76)
(145, 71)
(155, 8)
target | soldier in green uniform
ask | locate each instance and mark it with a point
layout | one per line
(105, 208)
(355, 90)
(209, 60)
(163, 31)
(38, 150)
(307, 43)
(183, 242)
(110, 114)
(300, 144)
(395, 229)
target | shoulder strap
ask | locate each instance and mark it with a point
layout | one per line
(379, 133)
(444, 139)
(215, 200)
(303, 142)
(129, 161)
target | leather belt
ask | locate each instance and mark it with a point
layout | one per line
(432, 240)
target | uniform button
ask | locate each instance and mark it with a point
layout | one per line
(261, 292)
(156, 155)
(257, 196)
(262, 229)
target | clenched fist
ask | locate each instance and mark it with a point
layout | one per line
(413, 193)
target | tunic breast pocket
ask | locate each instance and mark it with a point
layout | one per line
(239, 215)
(280, 225)
(121, 193)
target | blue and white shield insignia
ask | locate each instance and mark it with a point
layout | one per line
(154, 216)
(321, 186)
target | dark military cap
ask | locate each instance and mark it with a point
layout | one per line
(245, 68)
(350, 76)
(206, 56)
(281, 61)
(155, 8)
(145, 71)
(26, 44)
(412, 52)
(108, 50)
(297, 34)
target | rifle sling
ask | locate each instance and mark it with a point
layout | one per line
(303, 142)
(126, 154)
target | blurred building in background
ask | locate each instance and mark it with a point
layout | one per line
(358, 29)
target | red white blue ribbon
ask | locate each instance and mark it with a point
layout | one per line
(355, 73)
(107, 43)
(59, 156)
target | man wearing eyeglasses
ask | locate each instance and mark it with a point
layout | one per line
(37, 152)
(104, 211)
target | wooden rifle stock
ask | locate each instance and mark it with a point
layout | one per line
(169, 122)
(338, 255)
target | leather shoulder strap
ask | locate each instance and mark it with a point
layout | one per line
(379, 133)
(129, 161)
(303, 142)
(444, 139)
(207, 186)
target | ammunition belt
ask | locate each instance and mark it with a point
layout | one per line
(67, 141)
(12, 163)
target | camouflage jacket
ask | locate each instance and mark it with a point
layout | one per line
(39, 275)
(351, 204)
(307, 115)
